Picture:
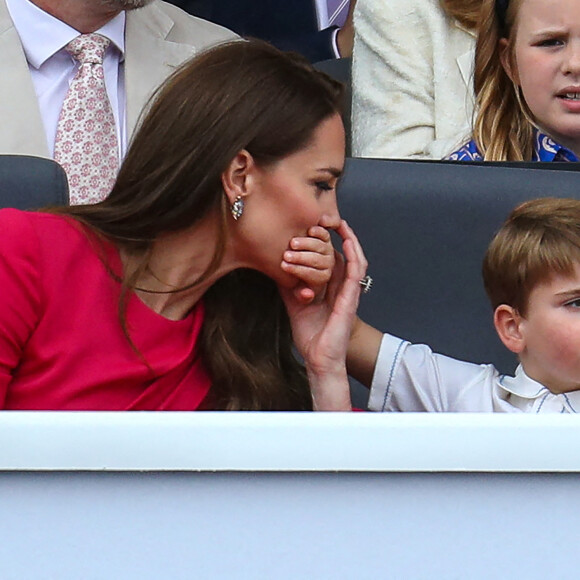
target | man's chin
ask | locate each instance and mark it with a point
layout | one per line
(125, 4)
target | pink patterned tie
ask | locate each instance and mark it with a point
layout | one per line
(86, 137)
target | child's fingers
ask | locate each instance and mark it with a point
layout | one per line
(307, 274)
(320, 233)
(311, 244)
(304, 295)
(314, 260)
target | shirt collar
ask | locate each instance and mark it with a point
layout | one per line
(526, 388)
(546, 149)
(43, 35)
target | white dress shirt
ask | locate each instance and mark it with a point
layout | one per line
(43, 39)
(410, 377)
(325, 20)
(322, 14)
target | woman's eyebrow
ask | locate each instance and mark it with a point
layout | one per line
(334, 171)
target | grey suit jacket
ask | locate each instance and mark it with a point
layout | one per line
(158, 38)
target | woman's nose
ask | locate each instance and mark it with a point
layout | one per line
(330, 216)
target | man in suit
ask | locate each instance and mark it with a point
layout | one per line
(149, 38)
(289, 25)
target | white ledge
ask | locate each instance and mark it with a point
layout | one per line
(349, 442)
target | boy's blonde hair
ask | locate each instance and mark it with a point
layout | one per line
(503, 127)
(539, 239)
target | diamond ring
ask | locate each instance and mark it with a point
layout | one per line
(366, 284)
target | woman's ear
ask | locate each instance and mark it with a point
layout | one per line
(505, 57)
(508, 325)
(237, 179)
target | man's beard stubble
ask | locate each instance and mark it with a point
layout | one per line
(125, 4)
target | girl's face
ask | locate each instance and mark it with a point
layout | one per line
(547, 65)
(288, 198)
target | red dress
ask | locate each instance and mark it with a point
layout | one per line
(62, 346)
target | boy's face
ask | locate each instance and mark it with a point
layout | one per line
(550, 333)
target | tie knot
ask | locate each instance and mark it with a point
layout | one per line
(88, 48)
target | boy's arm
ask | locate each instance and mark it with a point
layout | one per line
(411, 377)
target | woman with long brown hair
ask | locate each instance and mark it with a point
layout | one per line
(185, 288)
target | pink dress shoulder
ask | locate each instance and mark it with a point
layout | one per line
(62, 344)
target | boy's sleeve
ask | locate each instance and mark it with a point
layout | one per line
(410, 377)
(19, 291)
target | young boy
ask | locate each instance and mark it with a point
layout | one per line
(531, 274)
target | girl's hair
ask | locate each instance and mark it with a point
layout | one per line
(239, 95)
(466, 12)
(503, 128)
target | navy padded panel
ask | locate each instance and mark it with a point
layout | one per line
(31, 182)
(425, 227)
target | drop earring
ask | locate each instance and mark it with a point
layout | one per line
(237, 208)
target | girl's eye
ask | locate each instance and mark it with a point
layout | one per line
(574, 303)
(551, 42)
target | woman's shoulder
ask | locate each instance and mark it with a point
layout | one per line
(53, 242)
(21, 221)
(34, 230)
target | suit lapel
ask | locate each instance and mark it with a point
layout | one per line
(22, 127)
(150, 57)
(465, 64)
(465, 61)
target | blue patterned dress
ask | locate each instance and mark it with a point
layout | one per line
(545, 149)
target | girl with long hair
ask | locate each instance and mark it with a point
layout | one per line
(527, 82)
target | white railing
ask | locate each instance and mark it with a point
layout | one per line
(322, 496)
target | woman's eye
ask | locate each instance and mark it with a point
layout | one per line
(323, 185)
(574, 303)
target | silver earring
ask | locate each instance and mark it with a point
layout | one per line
(237, 208)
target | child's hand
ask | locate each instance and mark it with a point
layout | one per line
(322, 328)
(311, 259)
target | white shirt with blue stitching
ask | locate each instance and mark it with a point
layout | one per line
(410, 377)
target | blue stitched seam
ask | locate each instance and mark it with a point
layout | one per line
(391, 373)
(569, 403)
(502, 377)
(543, 401)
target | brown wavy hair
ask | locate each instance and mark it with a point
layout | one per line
(466, 12)
(503, 128)
(239, 95)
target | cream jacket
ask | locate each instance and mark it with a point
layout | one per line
(158, 38)
(412, 80)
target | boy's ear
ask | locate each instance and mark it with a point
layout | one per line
(508, 324)
(238, 177)
(506, 62)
